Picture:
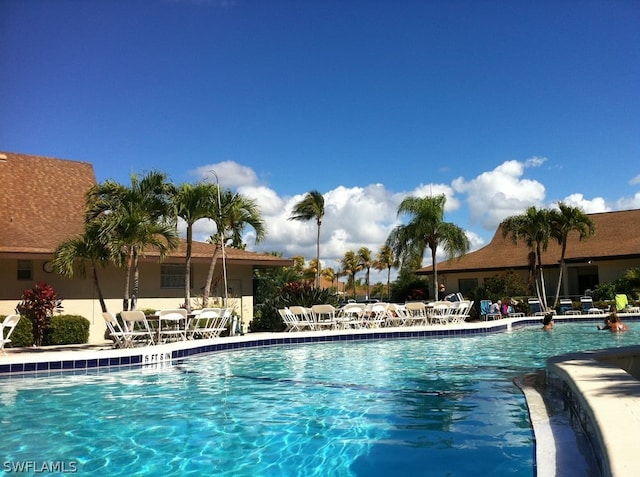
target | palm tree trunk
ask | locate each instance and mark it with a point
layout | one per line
(560, 273)
(187, 270)
(127, 282)
(96, 283)
(207, 285)
(388, 283)
(318, 258)
(435, 273)
(136, 280)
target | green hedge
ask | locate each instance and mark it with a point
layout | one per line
(66, 329)
(22, 335)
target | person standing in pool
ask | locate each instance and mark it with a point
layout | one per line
(547, 322)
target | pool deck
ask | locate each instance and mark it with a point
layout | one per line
(606, 395)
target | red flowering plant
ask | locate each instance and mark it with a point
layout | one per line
(38, 305)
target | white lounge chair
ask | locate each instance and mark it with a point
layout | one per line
(375, 315)
(6, 329)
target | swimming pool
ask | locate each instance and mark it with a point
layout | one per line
(435, 406)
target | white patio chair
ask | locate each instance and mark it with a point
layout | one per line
(416, 313)
(440, 313)
(303, 318)
(351, 315)
(205, 324)
(396, 315)
(324, 316)
(6, 329)
(121, 337)
(587, 306)
(137, 327)
(172, 325)
(375, 315)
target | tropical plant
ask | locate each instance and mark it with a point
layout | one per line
(232, 215)
(364, 257)
(309, 208)
(38, 305)
(87, 249)
(193, 202)
(385, 260)
(350, 266)
(426, 228)
(534, 228)
(565, 220)
(330, 275)
(134, 219)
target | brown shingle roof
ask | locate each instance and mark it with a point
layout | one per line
(42, 201)
(617, 236)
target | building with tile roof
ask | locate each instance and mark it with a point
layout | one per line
(42, 203)
(602, 258)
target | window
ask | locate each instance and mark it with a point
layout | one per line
(25, 270)
(467, 285)
(171, 275)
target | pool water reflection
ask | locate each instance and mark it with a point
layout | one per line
(372, 408)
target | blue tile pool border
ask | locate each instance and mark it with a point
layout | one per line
(152, 355)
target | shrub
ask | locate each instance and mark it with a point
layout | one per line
(38, 305)
(66, 329)
(22, 334)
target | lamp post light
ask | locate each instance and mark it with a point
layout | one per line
(221, 234)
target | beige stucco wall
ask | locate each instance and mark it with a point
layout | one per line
(80, 297)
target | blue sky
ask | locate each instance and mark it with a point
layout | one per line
(498, 104)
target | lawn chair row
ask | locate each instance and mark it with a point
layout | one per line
(135, 328)
(375, 315)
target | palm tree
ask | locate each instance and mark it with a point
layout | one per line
(311, 207)
(564, 221)
(329, 274)
(364, 256)
(534, 228)
(134, 219)
(426, 228)
(232, 216)
(385, 260)
(351, 266)
(192, 203)
(84, 250)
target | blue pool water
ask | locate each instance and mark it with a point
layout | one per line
(433, 406)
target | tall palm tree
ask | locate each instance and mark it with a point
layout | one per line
(311, 207)
(78, 252)
(193, 202)
(351, 265)
(426, 228)
(364, 256)
(534, 228)
(564, 221)
(234, 213)
(385, 260)
(134, 219)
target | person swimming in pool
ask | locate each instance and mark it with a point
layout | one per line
(547, 322)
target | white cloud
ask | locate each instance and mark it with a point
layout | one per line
(593, 206)
(364, 216)
(495, 195)
(627, 203)
(635, 180)
(230, 174)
